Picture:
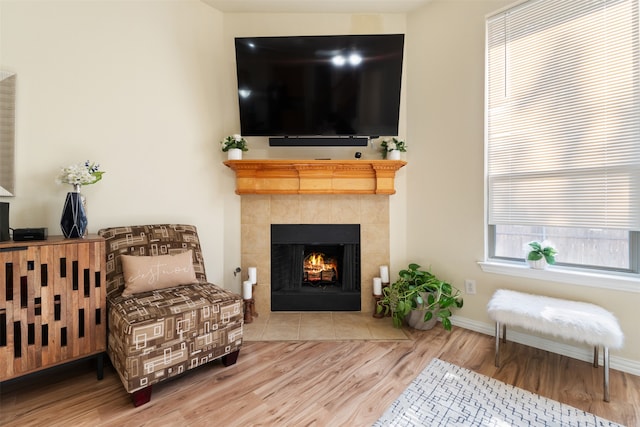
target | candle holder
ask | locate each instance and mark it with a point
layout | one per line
(248, 310)
(388, 311)
(375, 307)
(254, 312)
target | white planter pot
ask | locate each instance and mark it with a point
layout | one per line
(415, 319)
(539, 264)
(234, 154)
(393, 155)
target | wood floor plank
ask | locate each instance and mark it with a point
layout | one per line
(308, 383)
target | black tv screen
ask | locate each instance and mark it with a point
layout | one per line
(338, 86)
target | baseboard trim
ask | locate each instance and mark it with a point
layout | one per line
(583, 353)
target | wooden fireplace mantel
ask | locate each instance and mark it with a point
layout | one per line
(315, 176)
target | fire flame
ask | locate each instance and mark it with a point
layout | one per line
(315, 264)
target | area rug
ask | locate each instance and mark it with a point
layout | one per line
(448, 395)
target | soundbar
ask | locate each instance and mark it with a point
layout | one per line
(306, 141)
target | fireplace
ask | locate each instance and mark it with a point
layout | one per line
(314, 192)
(315, 267)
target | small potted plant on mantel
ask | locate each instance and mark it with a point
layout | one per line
(391, 148)
(420, 299)
(541, 254)
(234, 145)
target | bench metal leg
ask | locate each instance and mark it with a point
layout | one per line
(596, 362)
(497, 362)
(606, 373)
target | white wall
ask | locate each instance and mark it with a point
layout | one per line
(135, 86)
(445, 203)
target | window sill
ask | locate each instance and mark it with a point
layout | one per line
(610, 281)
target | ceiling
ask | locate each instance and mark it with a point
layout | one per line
(317, 6)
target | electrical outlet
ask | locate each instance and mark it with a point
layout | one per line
(470, 286)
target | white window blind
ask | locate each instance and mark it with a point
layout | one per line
(563, 114)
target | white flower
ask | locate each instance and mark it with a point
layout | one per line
(392, 144)
(237, 137)
(80, 174)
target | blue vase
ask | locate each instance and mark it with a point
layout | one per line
(74, 216)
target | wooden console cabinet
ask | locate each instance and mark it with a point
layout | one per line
(52, 303)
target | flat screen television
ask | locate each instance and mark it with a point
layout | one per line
(308, 89)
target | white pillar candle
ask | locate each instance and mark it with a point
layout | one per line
(247, 289)
(384, 273)
(253, 275)
(377, 286)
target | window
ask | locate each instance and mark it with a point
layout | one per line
(586, 247)
(563, 131)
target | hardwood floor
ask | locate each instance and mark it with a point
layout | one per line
(308, 383)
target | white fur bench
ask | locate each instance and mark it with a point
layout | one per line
(571, 320)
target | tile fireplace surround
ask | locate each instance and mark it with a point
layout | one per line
(314, 192)
(258, 212)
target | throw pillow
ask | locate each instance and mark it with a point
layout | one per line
(148, 273)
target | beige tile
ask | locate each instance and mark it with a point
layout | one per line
(256, 238)
(284, 318)
(382, 329)
(289, 333)
(316, 317)
(374, 238)
(352, 332)
(317, 326)
(375, 209)
(285, 209)
(255, 209)
(282, 326)
(350, 317)
(315, 209)
(254, 331)
(321, 326)
(351, 326)
(345, 210)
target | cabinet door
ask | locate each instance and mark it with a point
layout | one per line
(52, 304)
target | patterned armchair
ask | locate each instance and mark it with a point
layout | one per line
(155, 335)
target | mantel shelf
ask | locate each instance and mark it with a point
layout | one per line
(315, 176)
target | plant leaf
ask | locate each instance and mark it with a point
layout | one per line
(431, 299)
(443, 314)
(534, 256)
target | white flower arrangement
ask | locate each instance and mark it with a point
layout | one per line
(234, 141)
(392, 144)
(80, 174)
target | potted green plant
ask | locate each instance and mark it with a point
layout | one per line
(234, 145)
(541, 254)
(392, 148)
(419, 295)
